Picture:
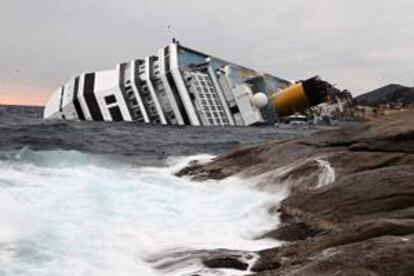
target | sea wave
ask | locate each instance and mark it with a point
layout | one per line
(74, 213)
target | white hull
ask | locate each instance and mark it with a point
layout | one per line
(179, 86)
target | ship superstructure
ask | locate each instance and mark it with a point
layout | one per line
(178, 86)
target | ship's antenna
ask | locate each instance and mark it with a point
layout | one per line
(173, 38)
(170, 32)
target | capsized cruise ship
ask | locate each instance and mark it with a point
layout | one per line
(177, 86)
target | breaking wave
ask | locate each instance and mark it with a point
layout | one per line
(74, 213)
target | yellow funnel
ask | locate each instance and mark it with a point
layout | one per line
(298, 97)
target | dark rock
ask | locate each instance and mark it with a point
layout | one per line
(382, 193)
(354, 209)
(386, 255)
(293, 232)
(217, 258)
(362, 223)
(225, 262)
(384, 142)
(267, 261)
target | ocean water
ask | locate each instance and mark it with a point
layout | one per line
(89, 198)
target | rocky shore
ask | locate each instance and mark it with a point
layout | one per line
(350, 208)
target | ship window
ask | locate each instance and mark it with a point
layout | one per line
(134, 102)
(115, 113)
(234, 109)
(110, 99)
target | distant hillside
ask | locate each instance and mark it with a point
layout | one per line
(390, 94)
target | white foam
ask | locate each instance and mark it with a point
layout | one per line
(327, 176)
(69, 213)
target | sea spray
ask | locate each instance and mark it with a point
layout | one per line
(72, 213)
(327, 176)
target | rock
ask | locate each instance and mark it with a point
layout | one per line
(360, 222)
(381, 143)
(381, 193)
(386, 255)
(301, 251)
(217, 258)
(268, 261)
(226, 262)
(295, 231)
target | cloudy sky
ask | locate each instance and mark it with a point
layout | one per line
(359, 45)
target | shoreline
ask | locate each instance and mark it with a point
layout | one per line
(358, 221)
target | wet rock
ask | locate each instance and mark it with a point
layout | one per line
(359, 223)
(268, 261)
(215, 259)
(293, 232)
(382, 193)
(226, 262)
(386, 255)
(386, 142)
(354, 209)
(302, 251)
